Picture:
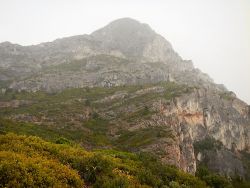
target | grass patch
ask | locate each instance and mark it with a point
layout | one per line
(207, 144)
(226, 96)
(141, 137)
(24, 128)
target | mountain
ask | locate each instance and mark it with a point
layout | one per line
(124, 52)
(124, 86)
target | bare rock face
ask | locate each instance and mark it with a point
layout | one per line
(126, 35)
(160, 50)
(201, 114)
(249, 111)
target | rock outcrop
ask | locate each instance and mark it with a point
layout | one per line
(123, 52)
(204, 114)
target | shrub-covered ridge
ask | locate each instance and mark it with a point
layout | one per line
(28, 161)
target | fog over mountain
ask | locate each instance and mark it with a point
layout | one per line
(213, 34)
(92, 60)
(119, 102)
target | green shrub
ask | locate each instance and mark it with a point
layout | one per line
(213, 179)
(62, 140)
(28, 161)
(115, 182)
(207, 144)
(17, 170)
(141, 137)
(174, 184)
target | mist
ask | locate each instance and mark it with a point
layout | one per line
(214, 34)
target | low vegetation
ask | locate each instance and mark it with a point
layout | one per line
(28, 161)
(132, 140)
(52, 154)
(211, 178)
(207, 144)
(227, 96)
(77, 114)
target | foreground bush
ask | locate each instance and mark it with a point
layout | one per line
(18, 170)
(28, 161)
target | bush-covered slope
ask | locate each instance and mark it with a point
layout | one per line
(28, 161)
(86, 115)
(129, 118)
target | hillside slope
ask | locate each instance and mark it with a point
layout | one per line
(165, 119)
(32, 162)
(124, 87)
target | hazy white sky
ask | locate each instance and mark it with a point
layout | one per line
(215, 34)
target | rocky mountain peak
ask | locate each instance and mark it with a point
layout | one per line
(128, 24)
(130, 37)
(6, 43)
(96, 60)
(123, 29)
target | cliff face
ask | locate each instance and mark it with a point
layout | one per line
(126, 53)
(203, 114)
